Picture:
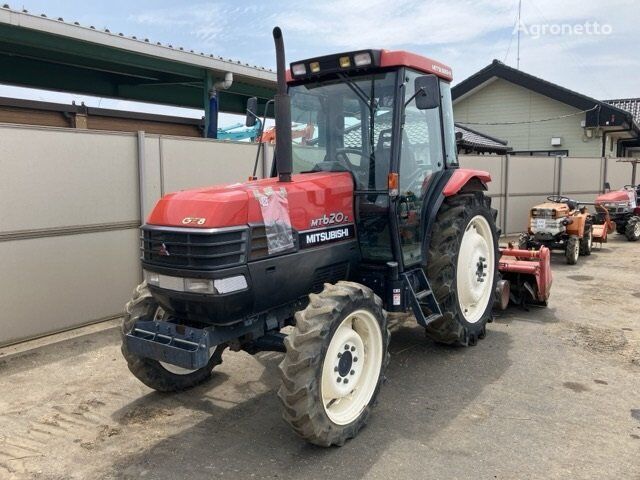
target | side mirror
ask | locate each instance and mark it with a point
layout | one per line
(427, 92)
(252, 109)
(459, 137)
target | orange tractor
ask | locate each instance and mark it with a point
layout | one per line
(560, 223)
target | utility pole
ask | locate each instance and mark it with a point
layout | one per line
(519, 25)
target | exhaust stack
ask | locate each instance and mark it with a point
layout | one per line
(284, 162)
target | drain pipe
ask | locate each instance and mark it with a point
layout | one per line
(213, 103)
(605, 173)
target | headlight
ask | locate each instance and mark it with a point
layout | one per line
(152, 278)
(197, 285)
(298, 69)
(230, 284)
(362, 59)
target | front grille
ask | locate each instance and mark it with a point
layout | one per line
(194, 249)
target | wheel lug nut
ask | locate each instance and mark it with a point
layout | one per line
(339, 355)
(335, 369)
(346, 347)
(346, 380)
(353, 349)
(352, 372)
(339, 380)
(355, 359)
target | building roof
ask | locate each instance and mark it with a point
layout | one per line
(631, 105)
(49, 53)
(603, 115)
(478, 142)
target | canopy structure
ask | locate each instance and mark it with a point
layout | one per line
(48, 53)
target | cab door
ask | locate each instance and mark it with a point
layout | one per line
(422, 159)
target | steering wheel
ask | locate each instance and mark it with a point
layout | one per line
(343, 157)
(559, 199)
(361, 172)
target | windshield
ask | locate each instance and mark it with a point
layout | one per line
(345, 125)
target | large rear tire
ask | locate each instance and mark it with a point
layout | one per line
(157, 375)
(632, 230)
(462, 267)
(334, 364)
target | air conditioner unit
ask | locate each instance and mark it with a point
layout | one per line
(556, 141)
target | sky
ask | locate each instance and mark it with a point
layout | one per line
(590, 46)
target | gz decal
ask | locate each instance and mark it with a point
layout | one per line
(193, 221)
(331, 219)
(315, 238)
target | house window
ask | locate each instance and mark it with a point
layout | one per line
(541, 153)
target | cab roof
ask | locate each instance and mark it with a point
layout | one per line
(331, 64)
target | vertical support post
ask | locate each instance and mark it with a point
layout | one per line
(605, 174)
(207, 85)
(633, 172)
(559, 167)
(142, 187)
(505, 207)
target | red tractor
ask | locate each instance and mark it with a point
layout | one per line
(624, 209)
(371, 215)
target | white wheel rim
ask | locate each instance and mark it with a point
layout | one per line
(351, 367)
(636, 229)
(475, 269)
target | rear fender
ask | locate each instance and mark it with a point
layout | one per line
(449, 183)
(466, 180)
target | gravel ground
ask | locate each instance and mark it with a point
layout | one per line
(550, 393)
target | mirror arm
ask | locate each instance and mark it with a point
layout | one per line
(419, 91)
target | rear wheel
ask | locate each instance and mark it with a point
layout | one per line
(334, 364)
(462, 268)
(632, 230)
(572, 250)
(160, 376)
(586, 242)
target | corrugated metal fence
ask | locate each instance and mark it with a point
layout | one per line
(70, 205)
(69, 215)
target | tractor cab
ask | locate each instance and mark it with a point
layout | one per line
(386, 118)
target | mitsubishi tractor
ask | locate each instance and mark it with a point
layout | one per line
(560, 223)
(624, 208)
(367, 218)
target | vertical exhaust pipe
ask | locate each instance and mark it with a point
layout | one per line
(284, 162)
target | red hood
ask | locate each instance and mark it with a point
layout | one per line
(310, 196)
(616, 196)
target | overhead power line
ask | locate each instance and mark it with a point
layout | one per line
(531, 121)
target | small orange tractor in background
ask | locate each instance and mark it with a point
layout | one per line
(560, 223)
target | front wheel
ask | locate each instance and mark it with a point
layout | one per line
(632, 230)
(586, 242)
(462, 268)
(160, 376)
(572, 250)
(334, 363)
